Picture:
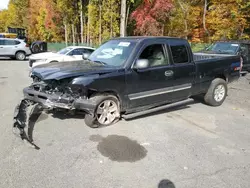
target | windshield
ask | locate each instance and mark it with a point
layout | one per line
(64, 51)
(227, 48)
(113, 53)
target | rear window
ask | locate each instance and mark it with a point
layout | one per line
(17, 42)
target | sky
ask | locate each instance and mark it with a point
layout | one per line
(3, 4)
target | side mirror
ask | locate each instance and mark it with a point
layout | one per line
(141, 64)
(85, 56)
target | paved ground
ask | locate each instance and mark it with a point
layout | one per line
(193, 145)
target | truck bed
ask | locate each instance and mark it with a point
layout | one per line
(202, 56)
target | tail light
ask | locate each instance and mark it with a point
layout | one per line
(27, 45)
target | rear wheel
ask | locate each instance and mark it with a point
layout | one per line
(20, 56)
(107, 111)
(216, 93)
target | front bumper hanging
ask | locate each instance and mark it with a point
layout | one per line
(21, 116)
(30, 108)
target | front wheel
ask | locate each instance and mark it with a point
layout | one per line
(107, 111)
(216, 93)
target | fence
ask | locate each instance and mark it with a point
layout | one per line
(198, 46)
(58, 46)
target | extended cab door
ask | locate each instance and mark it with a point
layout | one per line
(184, 70)
(151, 85)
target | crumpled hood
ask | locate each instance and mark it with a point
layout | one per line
(63, 70)
(44, 55)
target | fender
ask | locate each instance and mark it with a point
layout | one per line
(85, 80)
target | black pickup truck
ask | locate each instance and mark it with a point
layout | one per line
(128, 75)
(228, 48)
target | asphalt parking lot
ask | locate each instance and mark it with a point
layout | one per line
(191, 144)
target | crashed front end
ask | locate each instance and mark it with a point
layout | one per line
(50, 94)
(62, 94)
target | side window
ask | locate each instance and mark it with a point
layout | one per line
(248, 52)
(9, 42)
(88, 51)
(155, 55)
(245, 49)
(78, 51)
(179, 53)
(1, 42)
(17, 42)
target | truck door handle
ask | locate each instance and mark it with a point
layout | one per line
(169, 73)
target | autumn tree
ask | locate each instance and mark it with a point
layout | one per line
(95, 21)
(151, 16)
(225, 20)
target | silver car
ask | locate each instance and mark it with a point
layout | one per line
(14, 48)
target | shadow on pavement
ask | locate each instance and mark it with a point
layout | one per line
(62, 115)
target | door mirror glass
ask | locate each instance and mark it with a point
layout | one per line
(142, 64)
(85, 56)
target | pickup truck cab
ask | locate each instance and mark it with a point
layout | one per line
(127, 75)
(232, 47)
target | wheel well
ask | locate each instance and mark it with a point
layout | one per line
(94, 92)
(20, 51)
(222, 76)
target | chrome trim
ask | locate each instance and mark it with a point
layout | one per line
(155, 92)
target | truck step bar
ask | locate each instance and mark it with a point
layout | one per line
(173, 106)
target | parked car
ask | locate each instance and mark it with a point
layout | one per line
(231, 47)
(70, 53)
(14, 48)
(150, 72)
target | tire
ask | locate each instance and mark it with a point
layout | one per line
(216, 93)
(35, 49)
(107, 111)
(20, 56)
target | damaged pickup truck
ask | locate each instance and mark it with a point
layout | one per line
(128, 75)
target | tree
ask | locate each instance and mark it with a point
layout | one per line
(4, 16)
(151, 16)
(95, 21)
(123, 18)
(204, 19)
(225, 20)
